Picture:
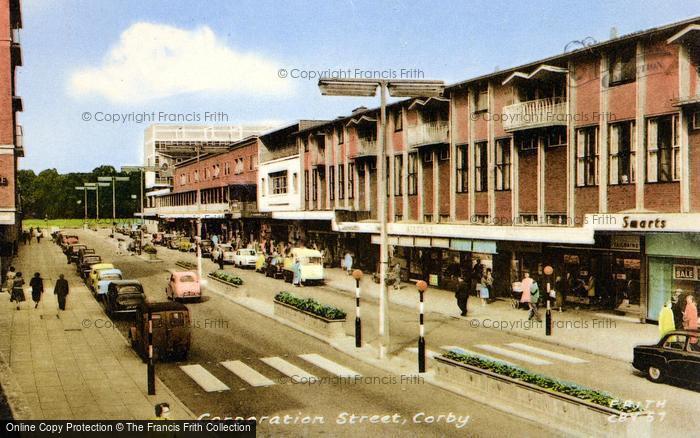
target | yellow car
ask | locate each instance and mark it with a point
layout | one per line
(92, 277)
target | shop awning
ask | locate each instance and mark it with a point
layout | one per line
(192, 216)
(323, 215)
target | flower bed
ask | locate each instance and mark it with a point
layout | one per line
(310, 305)
(227, 277)
(186, 265)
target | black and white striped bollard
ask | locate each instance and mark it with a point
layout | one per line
(422, 287)
(357, 275)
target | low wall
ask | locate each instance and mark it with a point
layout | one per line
(323, 326)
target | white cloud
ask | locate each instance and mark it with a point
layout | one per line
(153, 61)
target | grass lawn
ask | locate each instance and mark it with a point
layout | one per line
(72, 223)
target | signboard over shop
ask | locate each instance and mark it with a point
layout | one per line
(644, 222)
(686, 272)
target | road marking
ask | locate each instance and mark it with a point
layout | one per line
(246, 373)
(329, 365)
(204, 378)
(547, 353)
(513, 354)
(618, 317)
(429, 353)
(297, 374)
(461, 350)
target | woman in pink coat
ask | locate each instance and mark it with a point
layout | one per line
(690, 314)
(526, 285)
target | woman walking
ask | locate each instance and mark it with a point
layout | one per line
(37, 285)
(486, 287)
(526, 285)
(9, 280)
(296, 268)
(18, 290)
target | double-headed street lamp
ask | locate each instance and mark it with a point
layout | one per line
(141, 170)
(113, 180)
(395, 88)
(85, 190)
(96, 186)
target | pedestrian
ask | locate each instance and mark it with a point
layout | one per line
(462, 294)
(296, 269)
(37, 285)
(162, 411)
(526, 283)
(397, 275)
(534, 302)
(678, 300)
(690, 314)
(9, 279)
(39, 235)
(478, 270)
(61, 291)
(486, 287)
(666, 323)
(29, 236)
(347, 262)
(18, 290)
(220, 260)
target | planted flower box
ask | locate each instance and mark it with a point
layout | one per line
(564, 406)
(326, 320)
(186, 265)
(226, 278)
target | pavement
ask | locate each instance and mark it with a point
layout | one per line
(63, 367)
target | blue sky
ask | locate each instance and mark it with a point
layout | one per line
(191, 57)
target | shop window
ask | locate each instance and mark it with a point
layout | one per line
(278, 183)
(663, 149)
(331, 182)
(398, 119)
(398, 175)
(503, 164)
(412, 173)
(623, 66)
(351, 180)
(481, 166)
(341, 181)
(462, 165)
(587, 156)
(623, 147)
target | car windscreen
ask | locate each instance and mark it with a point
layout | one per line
(247, 252)
(110, 277)
(187, 279)
(129, 290)
(311, 260)
(92, 259)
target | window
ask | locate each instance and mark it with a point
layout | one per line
(587, 156)
(295, 182)
(183, 179)
(340, 132)
(527, 141)
(412, 173)
(196, 176)
(556, 218)
(695, 117)
(398, 119)
(217, 170)
(427, 218)
(314, 184)
(207, 173)
(427, 156)
(341, 181)
(556, 136)
(482, 98)
(623, 147)
(529, 219)
(481, 166)
(663, 149)
(398, 175)
(351, 180)
(331, 182)
(503, 165)
(278, 183)
(227, 168)
(254, 158)
(251, 163)
(306, 185)
(623, 66)
(462, 168)
(444, 154)
(238, 166)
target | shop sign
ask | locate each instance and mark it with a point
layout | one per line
(632, 264)
(433, 280)
(440, 243)
(571, 259)
(686, 272)
(626, 243)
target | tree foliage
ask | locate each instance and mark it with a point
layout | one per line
(52, 195)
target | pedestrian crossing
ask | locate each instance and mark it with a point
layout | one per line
(255, 375)
(516, 353)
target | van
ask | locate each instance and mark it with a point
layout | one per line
(311, 265)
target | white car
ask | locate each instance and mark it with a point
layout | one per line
(228, 252)
(245, 258)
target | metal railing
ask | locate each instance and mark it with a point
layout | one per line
(428, 133)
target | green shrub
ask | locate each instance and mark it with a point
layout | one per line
(228, 277)
(150, 249)
(186, 264)
(572, 389)
(310, 305)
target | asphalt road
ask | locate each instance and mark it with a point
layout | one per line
(223, 331)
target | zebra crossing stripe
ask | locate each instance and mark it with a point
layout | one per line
(246, 373)
(329, 365)
(546, 353)
(204, 378)
(297, 374)
(461, 350)
(513, 354)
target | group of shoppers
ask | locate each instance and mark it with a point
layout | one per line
(14, 285)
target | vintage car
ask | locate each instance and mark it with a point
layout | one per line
(83, 252)
(84, 266)
(311, 265)
(173, 242)
(274, 266)
(124, 296)
(157, 239)
(171, 330)
(92, 276)
(184, 245)
(103, 279)
(72, 252)
(245, 258)
(675, 357)
(183, 286)
(67, 240)
(228, 251)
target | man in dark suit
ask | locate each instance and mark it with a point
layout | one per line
(462, 294)
(61, 291)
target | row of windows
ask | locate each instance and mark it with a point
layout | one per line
(215, 170)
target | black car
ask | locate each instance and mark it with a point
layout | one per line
(124, 296)
(85, 265)
(675, 357)
(275, 270)
(72, 252)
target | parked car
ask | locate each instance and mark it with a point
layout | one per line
(174, 242)
(675, 357)
(72, 252)
(86, 264)
(92, 277)
(206, 245)
(183, 286)
(102, 281)
(311, 265)
(228, 250)
(83, 252)
(124, 296)
(171, 330)
(245, 258)
(157, 239)
(274, 268)
(67, 240)
(185, 245)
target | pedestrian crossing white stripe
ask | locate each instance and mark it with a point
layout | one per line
(246, 373)
(474, 353)
(204, 378)
(297, 374)
(429, 353)
(329, 365)
(513, 354)
(546, 353)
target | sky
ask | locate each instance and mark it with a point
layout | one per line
(96, 72)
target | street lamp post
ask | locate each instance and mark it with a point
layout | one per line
(422, 287)
(395, 88)
(357, 275)
(141, 170)
(97, 186)
(113, 180)
(85, 190)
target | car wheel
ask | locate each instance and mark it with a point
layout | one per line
(655, 374)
